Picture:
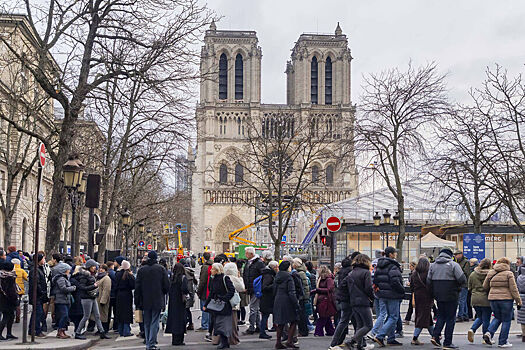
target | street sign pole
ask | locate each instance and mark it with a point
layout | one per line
(91, 232)
(332, 251)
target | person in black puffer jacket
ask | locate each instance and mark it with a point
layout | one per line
(342, 299)
(87, 284)
(266, 304)
(359, 283)
(8, 298)
(389, 282)
(75, 310)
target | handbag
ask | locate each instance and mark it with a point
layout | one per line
(236, 298)
(138, 316)
(92, 293)
(216, 305)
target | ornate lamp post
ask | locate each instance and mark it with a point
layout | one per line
(73, 173)
(126, 220)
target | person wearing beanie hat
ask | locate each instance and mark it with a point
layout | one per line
(8, 298)
(62, 289)
(125, 283)
(21, 276)
(445, 279)
(119, 260)
(286, 305)
(151, 286)
(13, 254)
(87, 285)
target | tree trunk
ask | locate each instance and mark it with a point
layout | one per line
(277, 251)
(8, 230)
(402, 226)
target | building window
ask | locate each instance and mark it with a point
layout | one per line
(222, 126)
(238, 77)
(330, 175)
(223, 77)
(328, 82)
(239, 173)
(223, 174)
(315, 174)
(240, 126)
(2, 178)
(314, 81)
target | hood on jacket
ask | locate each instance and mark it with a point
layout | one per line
(268, 271)
(522, 270)
(301, 268)
(346, 262)
(384, 262)
(190, 273)
(501, 267)
(443, 258)
(61, 268)
(281, 276)
(230, 269)
(481, 272)
(91, 263)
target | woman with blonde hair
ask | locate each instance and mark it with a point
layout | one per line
(503, 291)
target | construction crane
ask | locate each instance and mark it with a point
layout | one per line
(234, 235)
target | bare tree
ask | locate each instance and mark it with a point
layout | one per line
(458, 165)
(501, 100)
(78, 33)
(277, 164)
(396, 107)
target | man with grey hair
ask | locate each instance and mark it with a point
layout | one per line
(267, 256)
(252, 270)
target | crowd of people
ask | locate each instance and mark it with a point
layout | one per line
(289, 297)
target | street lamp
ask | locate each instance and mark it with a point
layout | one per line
(396, 219)
(126, 220)
(386, 216)
(72, 176)
(377, 219)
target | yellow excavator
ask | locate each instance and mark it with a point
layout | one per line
(234, 235)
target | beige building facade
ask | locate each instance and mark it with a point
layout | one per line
(318, 86)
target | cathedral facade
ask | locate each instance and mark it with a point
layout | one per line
(318, 86)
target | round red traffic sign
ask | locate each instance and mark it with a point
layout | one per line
(42, 154)
(150, 247)
(333, 224)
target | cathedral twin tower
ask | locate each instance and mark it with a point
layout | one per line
(318, 86)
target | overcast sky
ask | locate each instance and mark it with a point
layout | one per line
(462, 37)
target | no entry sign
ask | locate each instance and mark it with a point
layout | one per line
(150, 247)
(42, 154)
(333, 224)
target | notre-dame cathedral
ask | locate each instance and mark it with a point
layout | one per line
(318, 85)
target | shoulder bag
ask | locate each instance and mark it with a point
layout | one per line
(236, 299)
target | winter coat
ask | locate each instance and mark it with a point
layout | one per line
(286, 305)
(14, 255)
(445, 278)
(8, 294)
(151, 286)
(301, 271)
(341, 292)
(475, 287)
(75, 309)
(465, 266)
(252, 270)
(521, 288)
(112, 273)
(124, 297)
(325, 297)
(230, 270)
(313, 278)
(423, 299)
(204, 277)
(41, 287)
(104, 294)
(21, 276)
(388, 279)
(86, 283)
(221, 288)
(176, 305)
(266, 304)
(359, 285)
(61, 287)
(192, 283)
(501, 284)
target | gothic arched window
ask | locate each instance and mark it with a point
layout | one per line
(239, 173)
(328, 82)
(315, 174)
(314, 81)
(238, 77)
(330, 175)
(223, 77)
(223, 174)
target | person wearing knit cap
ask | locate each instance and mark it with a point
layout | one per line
(88, 294)
(8, 299)
(13, 254)
(62, 289)
(151, 286)
(119, 260)
(445, 279)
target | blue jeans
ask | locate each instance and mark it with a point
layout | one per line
(483, 314)
(446, 316)
(124, 329)
(417, 331)
(61, 314)
(381, 315)
(392, 315)
(502, 315)
(151, 326)
(463, 309)
(205, 318)
(264, 323)
(39, 311)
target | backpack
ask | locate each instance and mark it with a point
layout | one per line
(257, 287)
(298, 285)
